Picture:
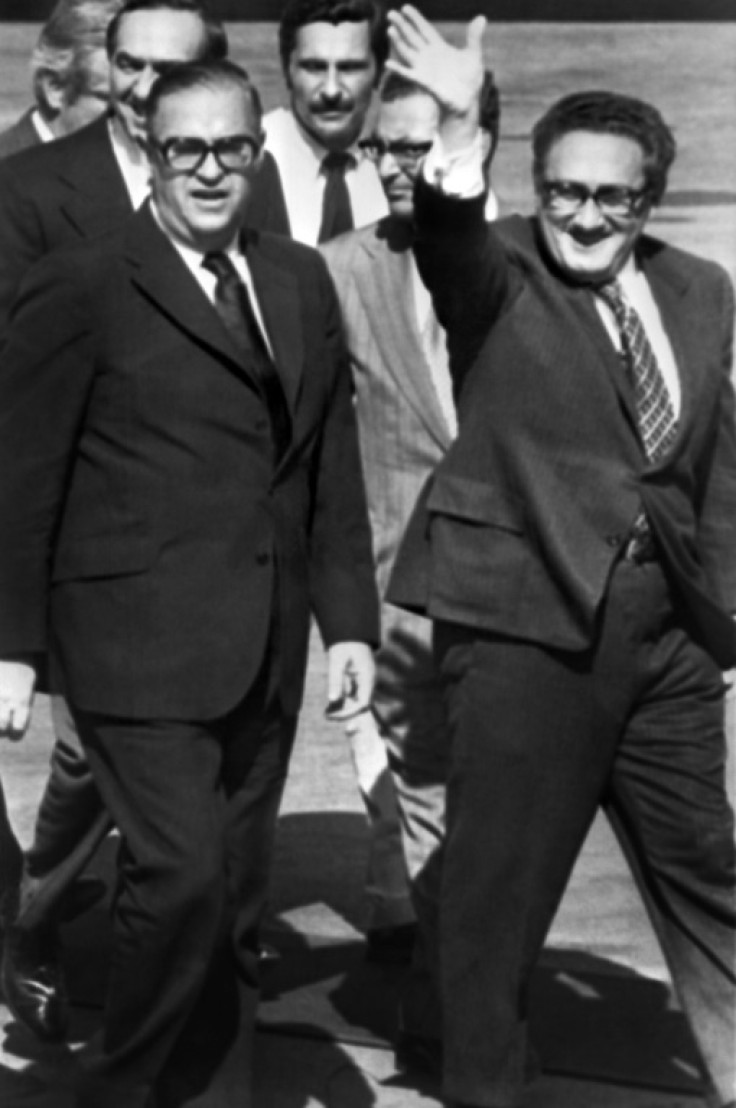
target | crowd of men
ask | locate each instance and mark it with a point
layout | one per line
(262, 369)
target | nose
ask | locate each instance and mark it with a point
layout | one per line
(589, 215)
(331, 83)
(143, 84)
(210, 169)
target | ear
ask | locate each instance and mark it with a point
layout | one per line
(53, 91)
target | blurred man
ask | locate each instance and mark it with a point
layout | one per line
(576, 552)
(51, 195)
(197, 492)
(406, 422)
(332, 55)
(70, 74)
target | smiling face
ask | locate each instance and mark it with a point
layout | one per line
(203, 209)
(404, 123)
(149, 42)
(588, 245)
(331, 74)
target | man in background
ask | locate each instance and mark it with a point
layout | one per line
(406, 423)
(332, 56)
(69, 74)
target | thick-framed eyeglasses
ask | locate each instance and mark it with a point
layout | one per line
(185, 155)
(406, 154)
(568, 197)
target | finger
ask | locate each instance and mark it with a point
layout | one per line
(476, 30)
(421, 28)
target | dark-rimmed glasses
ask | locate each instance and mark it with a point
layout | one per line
(568, 197)
(185, 155)
(407, 155)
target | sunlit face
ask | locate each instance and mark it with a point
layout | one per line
(406, 123)
(148, 42)
(205, 208)
(331, 74)
(589, 245)
(85, 104)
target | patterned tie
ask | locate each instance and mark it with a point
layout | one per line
(233, 305)
(337, 215)
(654, 411)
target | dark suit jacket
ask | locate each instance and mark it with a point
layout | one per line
(61, 191)
(146, 537)
(19, 136)
(531, 506)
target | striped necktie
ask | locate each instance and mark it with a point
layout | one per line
(654, 411)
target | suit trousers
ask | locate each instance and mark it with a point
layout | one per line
(540, 739)
(196, 805)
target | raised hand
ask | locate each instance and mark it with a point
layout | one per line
(453, 75)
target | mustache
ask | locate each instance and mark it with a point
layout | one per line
(331, 104)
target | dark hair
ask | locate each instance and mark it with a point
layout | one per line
(608, 113)
(298, 13)
(216, 74)
(490, 110)
(215, 44)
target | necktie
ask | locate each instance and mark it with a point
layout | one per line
(337, 215)
(233, 305)
(654, 412)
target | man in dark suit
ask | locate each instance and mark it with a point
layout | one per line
(577, 552)
(52, 195)
(194, 490)
(69, 74)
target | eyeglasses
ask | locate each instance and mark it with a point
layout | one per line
(405, 154)
(186, 155)
(568, 197)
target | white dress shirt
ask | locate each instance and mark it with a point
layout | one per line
(434, 343)
(132, 161)
(299, 159)
(207, 280)
(41, 127)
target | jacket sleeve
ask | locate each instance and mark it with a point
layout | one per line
(342, 577)
(464, 264)
(717, 519)
(45, 376)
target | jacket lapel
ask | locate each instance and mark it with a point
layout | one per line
(278, 295)
(98, 198)
(163, 277)
(385, 283)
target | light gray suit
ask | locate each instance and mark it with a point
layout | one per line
(403, 435)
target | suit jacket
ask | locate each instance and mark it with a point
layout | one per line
(59, 192)
(403, 433)
(19, 136)
(148, 538)
(530, 509)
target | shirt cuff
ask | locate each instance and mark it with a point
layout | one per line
(458, 174)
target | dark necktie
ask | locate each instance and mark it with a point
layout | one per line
(654, 412)
(233, 305)
(337, 215)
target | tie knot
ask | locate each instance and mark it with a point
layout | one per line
(336, 163)
(220, 265)
(612, 294)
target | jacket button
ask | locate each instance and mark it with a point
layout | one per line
(614, 540)
(263, 558)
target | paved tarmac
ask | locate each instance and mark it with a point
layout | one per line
(317, 892)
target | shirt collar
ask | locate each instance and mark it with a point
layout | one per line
(43, 130)
(320, 152)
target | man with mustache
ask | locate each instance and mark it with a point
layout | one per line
(332, 55)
